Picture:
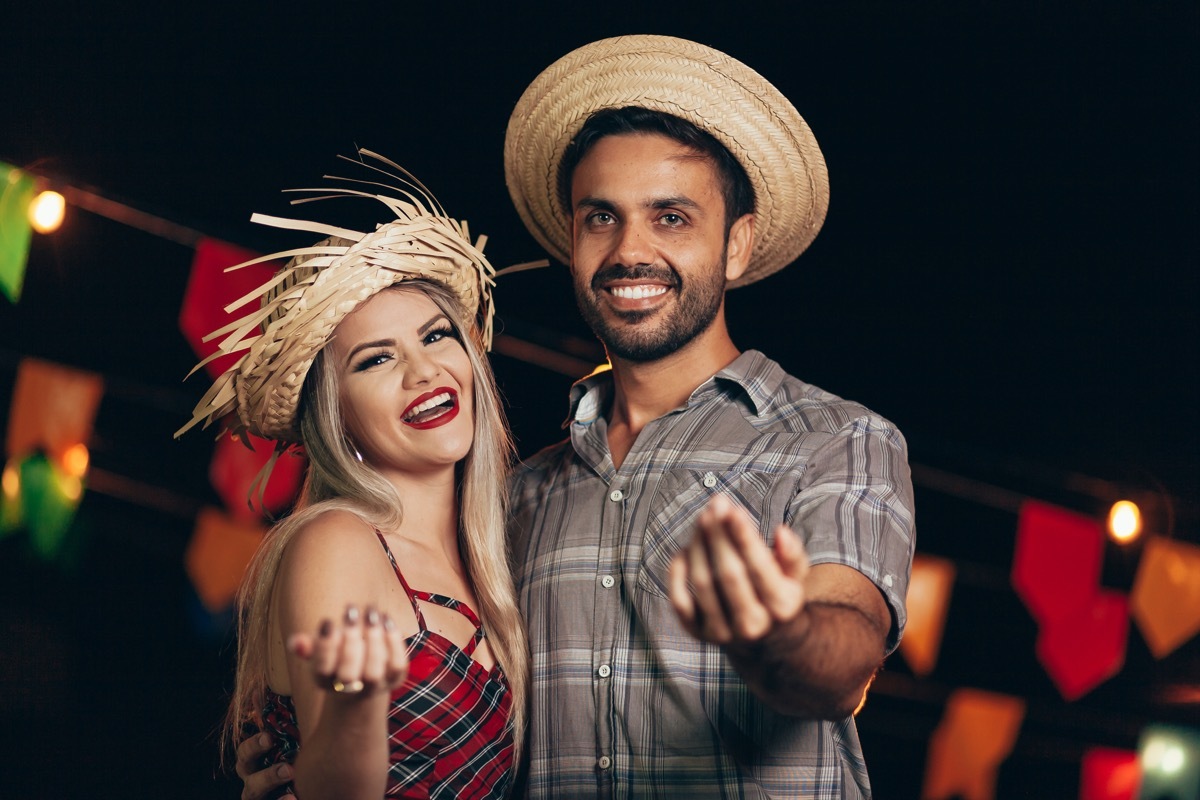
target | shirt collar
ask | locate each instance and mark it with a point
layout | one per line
(757, 376)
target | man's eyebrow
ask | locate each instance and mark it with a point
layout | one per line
(597, 203)
(677, 201)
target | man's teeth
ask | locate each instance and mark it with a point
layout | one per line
(638, 292)
(432, 402)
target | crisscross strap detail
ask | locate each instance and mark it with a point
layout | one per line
(430, 597)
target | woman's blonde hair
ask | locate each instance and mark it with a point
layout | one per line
(336, 479)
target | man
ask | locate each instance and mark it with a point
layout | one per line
(714, 564)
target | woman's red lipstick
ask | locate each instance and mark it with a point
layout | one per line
(441, 419)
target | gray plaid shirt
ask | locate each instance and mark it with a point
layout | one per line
(625, 703)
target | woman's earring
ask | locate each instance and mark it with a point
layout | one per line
(354, 451)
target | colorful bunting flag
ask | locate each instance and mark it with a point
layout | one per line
(977, 732)
(216, 558)
(928, 601)
(210, 288)
(1087, 648)
(1056, 560)
(53, 408)
(16, 193)
(1165, 600)
(235, 467)
(1109, 774)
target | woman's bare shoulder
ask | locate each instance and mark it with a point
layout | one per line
(332, 538)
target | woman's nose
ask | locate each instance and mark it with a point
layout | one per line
(420, 370)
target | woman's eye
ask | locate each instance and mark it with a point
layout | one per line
(439, 334)
(371, 361)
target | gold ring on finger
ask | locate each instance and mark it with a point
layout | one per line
(349, 687)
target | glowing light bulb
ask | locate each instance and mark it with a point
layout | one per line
(75, 460)
(1124, 521)
(11, 481)
(46, 212)
(71, 487)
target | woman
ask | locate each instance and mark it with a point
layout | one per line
(359, 647)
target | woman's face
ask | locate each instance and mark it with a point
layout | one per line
(405, 384)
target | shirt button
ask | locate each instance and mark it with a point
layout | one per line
(616, 495)
(608, 581)
(604, 671)
(605, 762)
(710, 480)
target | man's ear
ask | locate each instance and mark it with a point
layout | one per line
(739, 247)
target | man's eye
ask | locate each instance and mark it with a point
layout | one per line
(600, 218)
(672, 220)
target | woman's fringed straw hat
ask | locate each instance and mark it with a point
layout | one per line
(304, 302)
(706, 87)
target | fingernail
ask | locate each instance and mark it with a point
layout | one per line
(264, 739)
(351, 615)
(372, 616)
(285, 772)
(389, 624)
(325, 629)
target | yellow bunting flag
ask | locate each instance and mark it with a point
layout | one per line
(976, 734)
(1165, 601)
(928, 600)
(217, 555)
(53, 408)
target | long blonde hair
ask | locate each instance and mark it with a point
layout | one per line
(337, 480)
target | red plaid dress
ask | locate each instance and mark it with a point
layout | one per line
(448, 725)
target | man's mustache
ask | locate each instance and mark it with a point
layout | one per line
(642, 272)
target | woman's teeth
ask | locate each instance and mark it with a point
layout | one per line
(431, 403)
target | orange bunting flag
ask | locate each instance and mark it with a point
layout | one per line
(976, 734)
(53, 408)
(217, 555)
(1165, 601)
(928, 601)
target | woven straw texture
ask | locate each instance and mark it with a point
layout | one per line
(719, 94)
(303, 303)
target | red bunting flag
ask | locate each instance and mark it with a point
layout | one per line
(210, 288)
(233, 471)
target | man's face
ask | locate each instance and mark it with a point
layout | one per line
(648, 244)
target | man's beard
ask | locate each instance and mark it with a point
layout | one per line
(698, 303)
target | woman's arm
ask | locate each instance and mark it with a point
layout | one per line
(344, 655)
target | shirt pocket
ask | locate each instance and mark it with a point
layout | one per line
(678, 500)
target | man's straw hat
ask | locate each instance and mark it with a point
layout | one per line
(717, 93)
(304, 302)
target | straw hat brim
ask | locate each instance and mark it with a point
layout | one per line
(710, 89)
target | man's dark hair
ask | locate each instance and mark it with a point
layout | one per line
(735, 185)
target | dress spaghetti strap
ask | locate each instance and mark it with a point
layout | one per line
(440, 599)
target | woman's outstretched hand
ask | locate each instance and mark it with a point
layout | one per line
(359, 656)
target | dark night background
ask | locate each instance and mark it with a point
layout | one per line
(1008, 271)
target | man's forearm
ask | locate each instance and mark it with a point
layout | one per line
(816, 666)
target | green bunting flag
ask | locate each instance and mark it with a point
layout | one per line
(16, 193)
